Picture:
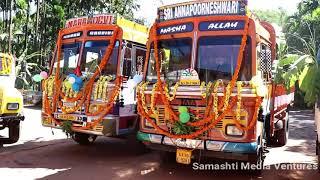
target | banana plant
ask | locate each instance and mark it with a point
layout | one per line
(301, 66)
(25, 69)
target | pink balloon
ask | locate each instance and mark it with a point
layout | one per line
(44, 75)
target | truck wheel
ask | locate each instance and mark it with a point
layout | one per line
(84, 139)
(133, 143)
(14, 132)
(318, 153)
(282, 135)
(136, 146)
(258, 162)
(269, 138)
(166, 157)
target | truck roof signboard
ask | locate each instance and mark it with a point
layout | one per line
(95, 19)
(202, 8)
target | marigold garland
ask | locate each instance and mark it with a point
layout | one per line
(212, 118)
(86, 92)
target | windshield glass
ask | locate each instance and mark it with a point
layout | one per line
(92, 55)
(69, 57)
(175, 57)
(217, 59)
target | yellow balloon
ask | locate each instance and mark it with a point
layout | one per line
(68, 84)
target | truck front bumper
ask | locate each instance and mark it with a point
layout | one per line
(5, 121)
(206, 148)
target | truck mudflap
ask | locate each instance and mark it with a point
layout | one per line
(216, 149)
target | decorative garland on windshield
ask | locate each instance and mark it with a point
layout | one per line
(83, 97)
(6, 64)
(211, 119)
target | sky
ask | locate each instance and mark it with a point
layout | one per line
(148, 8)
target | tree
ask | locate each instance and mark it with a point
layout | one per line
(278, 16)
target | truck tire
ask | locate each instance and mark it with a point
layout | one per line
(14, 132)
(267, 129)
(281, 136)
(84, 139)
(318, 153)
(259, 162)
(166, 157)
(136, 146)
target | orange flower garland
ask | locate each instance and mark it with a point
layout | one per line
(210, 119)
(86, 93)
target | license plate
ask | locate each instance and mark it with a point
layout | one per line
(67, 117)
(183, 156)
(69, 104)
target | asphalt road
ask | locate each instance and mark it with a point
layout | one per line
(43, 153)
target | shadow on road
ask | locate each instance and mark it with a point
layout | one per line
(111, 158)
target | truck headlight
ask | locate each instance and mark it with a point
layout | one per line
(232, 130)
(12, 106)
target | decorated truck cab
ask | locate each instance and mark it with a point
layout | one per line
(208, 88)
(11, 100)
(90, 90)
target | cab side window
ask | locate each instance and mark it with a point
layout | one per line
(127, 62)
(265, 58)
(140, 58)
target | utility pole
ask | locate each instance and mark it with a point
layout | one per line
(10, 27)
(26, 28)
(36, 43)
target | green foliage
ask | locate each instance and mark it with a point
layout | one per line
(302, 30)
(67, 128)
(26, 69)
(37, 34)
(304, 69)
(180, 128)
(278, 16)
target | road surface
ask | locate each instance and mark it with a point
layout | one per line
(43, 153)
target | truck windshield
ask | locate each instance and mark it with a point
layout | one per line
(93, 52)
(69, 57)
(217, 58)
(175, 57)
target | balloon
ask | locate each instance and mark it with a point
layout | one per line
(72, 80)
(73, 75)
(79, 80)
(137, 79)
(75, 87)
(184, 117)
(183, 109)
(44, 75)
(37, 78)
(131, 84)
(68, 84)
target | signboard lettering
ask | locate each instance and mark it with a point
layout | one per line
(192, 9)
(181, 28)
(221, 25)
(95, 19)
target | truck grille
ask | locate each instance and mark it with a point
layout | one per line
(200, 111)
